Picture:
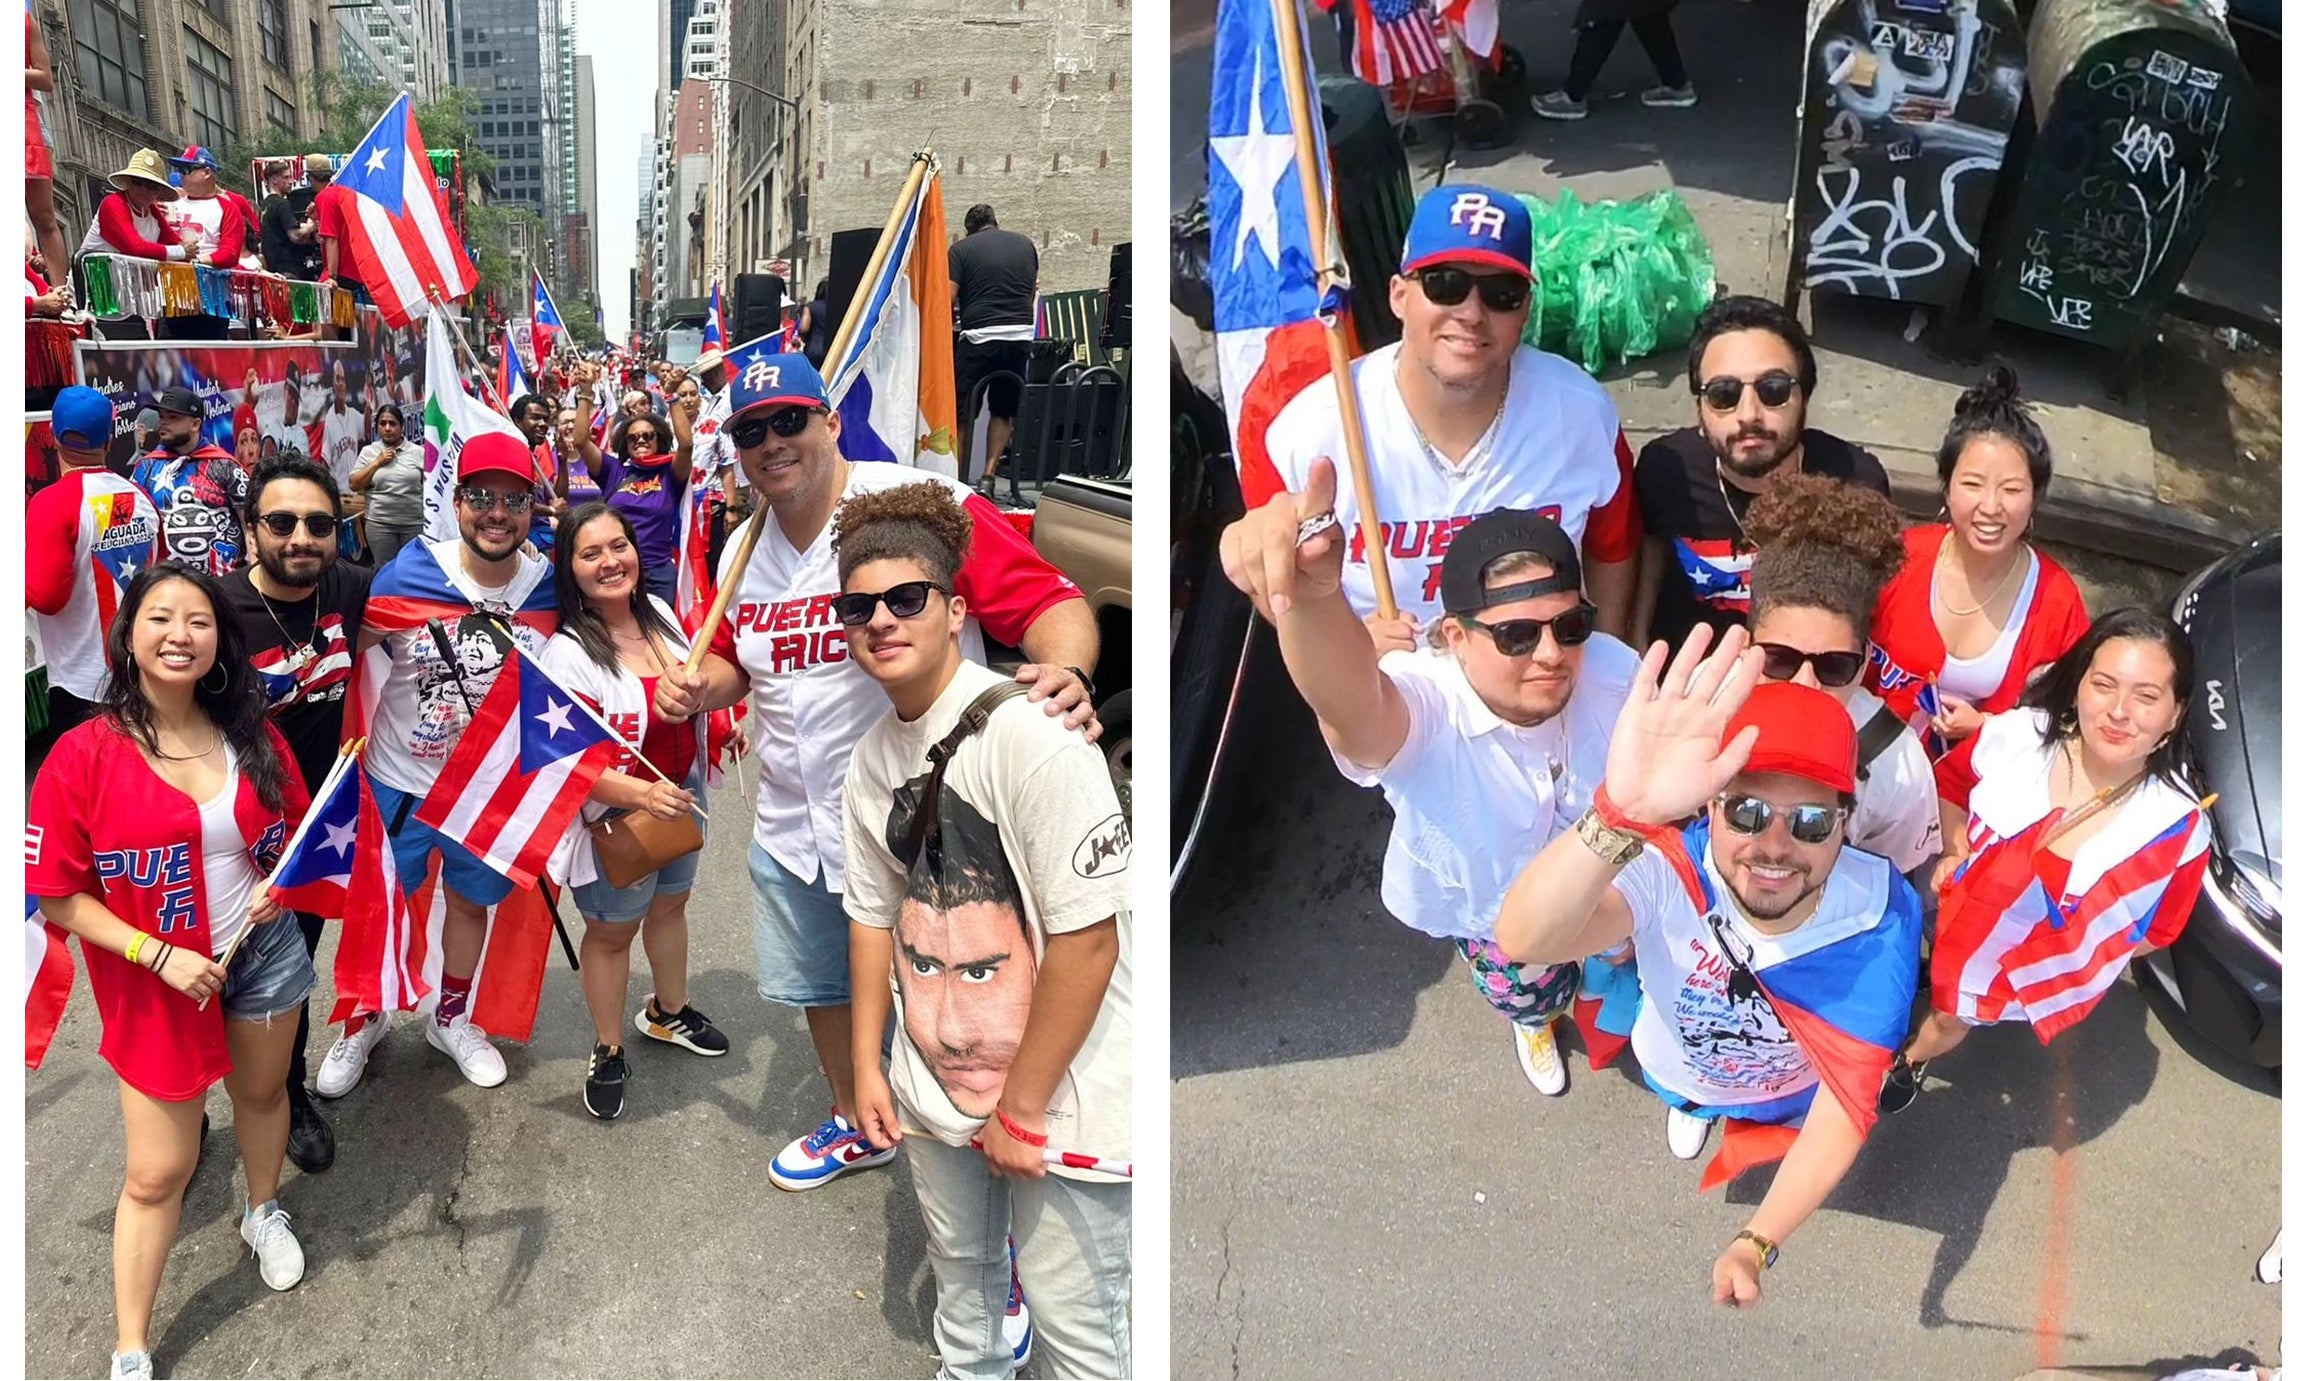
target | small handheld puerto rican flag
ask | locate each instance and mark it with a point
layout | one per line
(715, 324)
(547, 323)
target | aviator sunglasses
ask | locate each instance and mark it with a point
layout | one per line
(1723, 393)
(1449, 287)
(487, 500)
(904, 601)
(282, 524)
(750, 431)
(1782, 663)
(1517, 637)
(1752, 816)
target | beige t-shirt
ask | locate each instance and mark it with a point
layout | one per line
(1031, 843)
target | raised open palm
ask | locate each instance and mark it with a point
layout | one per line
(1668, 756)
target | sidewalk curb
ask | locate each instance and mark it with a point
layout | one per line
(2090, 516)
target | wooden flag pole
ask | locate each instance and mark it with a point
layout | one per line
(921, 163)
(1294, 66)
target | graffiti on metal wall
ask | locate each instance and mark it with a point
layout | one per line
(1918, 101)
(2130, 157)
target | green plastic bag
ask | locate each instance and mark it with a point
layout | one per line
(1618, 280)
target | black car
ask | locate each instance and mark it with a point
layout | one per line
(2226, 971)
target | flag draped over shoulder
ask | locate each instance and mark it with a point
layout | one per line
(451, 417)
(403, 247)
(896, 393)
(47, 982)
(1263, 255)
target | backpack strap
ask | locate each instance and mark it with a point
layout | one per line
(1876, 736)
(970, 722)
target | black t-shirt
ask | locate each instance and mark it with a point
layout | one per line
(1706, 576)
(994, 279)
(282, 255)
(302, 650)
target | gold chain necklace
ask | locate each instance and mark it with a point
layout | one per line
(2019, 568)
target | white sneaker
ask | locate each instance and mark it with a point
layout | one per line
(469, 1047)
(1687, 1134)
(131, 1366)
(1537, 1056)
(340, 1072)
(279, 1257)
(2271, 1268)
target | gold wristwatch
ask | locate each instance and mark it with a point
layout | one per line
(1767, 1252)
(1616, 847)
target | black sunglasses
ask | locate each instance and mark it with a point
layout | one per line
(904, 601)
(635, 438)
(784, 422)
(1782, 663)
(1449, 287)
(1517, 637)
(1752, 816)
(1723, 393)
(317, 524)
(487, 500)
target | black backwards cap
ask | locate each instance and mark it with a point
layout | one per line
(1506, 532)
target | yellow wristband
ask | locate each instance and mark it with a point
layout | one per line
(136, 948)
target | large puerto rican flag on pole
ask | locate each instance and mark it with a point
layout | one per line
(451, 417)
(520, 772)
(547, 325)
(1268, 336)
(47, 982)
(715, 324)
(340, 864)
(896, 393)
(403, 247)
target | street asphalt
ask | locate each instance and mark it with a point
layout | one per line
(506, 1232)
(1365, 1185)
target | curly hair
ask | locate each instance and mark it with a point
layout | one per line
(909, 522)
(1994, 407)
(1822, 544)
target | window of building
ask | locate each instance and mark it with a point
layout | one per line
(272, 24)
(111, 53)
(279, 112)
(211, 90)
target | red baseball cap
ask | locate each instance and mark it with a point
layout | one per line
(493, 452)
(1801, 732)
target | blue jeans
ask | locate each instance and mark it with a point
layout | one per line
(799, 932)
(601, 900)
(1074, 1248)
(271, 974)
(413, 843)
(663, 583)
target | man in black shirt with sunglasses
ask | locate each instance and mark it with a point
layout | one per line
(1483, 742)
(299, 608)
(1752, 374)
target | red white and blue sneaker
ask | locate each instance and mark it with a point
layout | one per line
(823, 1155)
(1019, 1334)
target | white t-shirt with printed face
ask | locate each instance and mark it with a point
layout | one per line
(1476, 796)
(1555, 449)
(1695, 1036)
(420, 713)
(1031, 843)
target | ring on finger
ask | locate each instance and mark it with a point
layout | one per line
(1312, 527)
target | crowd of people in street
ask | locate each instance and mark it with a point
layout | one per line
(1706, 750)
(952, 920)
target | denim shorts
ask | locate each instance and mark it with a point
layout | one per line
(601, 900)
(799, 930)
(413, 843)
(271, 975)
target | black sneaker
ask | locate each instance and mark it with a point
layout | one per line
(603, 1087)
(686, 1027)
(1901, 1085)
(311, 1142)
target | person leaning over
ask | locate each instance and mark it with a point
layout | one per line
(614, 643)
(149, 832)
(992, 891)
(1777, 966)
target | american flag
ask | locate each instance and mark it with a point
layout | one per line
(1397, 41)
(340, 864)
(403, 247)
(520, 771)
(47, 982)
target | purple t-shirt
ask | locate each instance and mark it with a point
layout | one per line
(582, 487)
(649, 496)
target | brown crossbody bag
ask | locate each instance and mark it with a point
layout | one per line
(633, 844)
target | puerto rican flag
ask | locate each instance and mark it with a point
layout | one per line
(1264, 257)
(1718, 570)
(340, 864)
(116, 563)
(715, 324)
(47, 982)
(546, 325)
(520, 771)
(403, 247)
(511, 376)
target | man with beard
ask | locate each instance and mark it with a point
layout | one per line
(1461, 418)
(1485, 742)
(299, 611)
(1752, 373)
(1776, 965)
(487, 593)
(199, 488)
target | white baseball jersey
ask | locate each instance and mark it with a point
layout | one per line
(1556, 449)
